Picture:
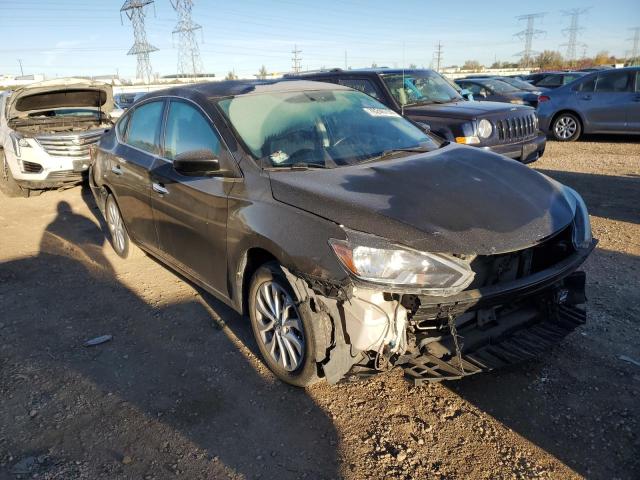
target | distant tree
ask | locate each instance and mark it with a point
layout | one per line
(549, 60)
(262, 73)
(472, 65)
(374, 65)
(413, 66)
(231, 76)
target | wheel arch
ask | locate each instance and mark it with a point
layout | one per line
(251, 260)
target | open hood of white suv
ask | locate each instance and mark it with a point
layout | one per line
(59, 94)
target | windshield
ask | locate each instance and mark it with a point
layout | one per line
(322, 129)
(498, 86)
(519, 84)
(420, 88)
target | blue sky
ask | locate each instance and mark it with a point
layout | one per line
(66, 37)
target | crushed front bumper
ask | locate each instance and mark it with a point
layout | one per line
(526, 152)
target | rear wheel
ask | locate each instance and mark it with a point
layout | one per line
(8, 184)
(120, 240)
(284, 334)
(566, 127)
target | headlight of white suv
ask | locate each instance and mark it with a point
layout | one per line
(484, 128)
(374, 259)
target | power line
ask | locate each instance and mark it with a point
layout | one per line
(572, 31)
(296, 60)
(437, 56)
(528, 34)
(134, 10)
(189, 61)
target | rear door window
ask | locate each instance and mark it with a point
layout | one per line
(638, 81)
(144, 128)
(613, 82)
(362, 84)
(587, 86)
(188, 130)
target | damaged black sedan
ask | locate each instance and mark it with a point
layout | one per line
(354, 241)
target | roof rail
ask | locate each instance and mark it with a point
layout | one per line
(311, 72)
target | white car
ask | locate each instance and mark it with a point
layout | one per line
(46, 132)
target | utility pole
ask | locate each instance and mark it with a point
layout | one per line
(189, 61)
(134, 10)
(296, 60)
(437, 56)
(635, 50)
(21, 71)
(572, 32)
(528, 34)
(346, 66)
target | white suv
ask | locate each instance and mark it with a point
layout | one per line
(46, 132)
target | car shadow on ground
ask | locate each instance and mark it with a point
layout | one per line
(172, 379)
(606, 196)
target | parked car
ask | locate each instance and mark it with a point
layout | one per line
(514, 82)
(425, 97)
(495, 90)
(353, 240)
(553, 79)
(46, 129)
(127, 99)
(605, 101)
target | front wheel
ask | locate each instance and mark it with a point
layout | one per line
(8, 184)
(284, 335)
(566, 127)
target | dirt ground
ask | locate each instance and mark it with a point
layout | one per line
(180, 392)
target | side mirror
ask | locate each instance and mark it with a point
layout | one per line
(197, 163)
(466, 94)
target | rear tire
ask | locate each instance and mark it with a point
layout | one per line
(566, 127)
(283, 332)
(8, 184)
(120, 240)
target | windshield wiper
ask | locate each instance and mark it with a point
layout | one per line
(297, 166)
(393, 151)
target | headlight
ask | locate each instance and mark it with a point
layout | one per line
(374, 259)
(18, 142)
(582, 236)
(484, 128)
(517, 101)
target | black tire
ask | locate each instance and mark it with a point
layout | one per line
(306, 373)
(566, 127)
(117, 231)
(8, 184)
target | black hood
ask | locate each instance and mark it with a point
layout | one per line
(463, 109)
(457, 200)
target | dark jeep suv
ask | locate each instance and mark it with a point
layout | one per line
(424, 96)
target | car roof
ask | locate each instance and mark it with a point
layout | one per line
(358, 71)
(234, 88)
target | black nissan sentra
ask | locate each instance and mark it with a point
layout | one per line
(353, 240)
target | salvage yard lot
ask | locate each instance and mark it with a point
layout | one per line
(179, 390)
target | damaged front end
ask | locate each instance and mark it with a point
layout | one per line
(508, 308)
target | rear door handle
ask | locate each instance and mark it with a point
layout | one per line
(159, 188)
(117, 170)
(586, 97)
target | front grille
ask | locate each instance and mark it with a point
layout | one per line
(75, 146)
(31, 167)
(516, 129)
(66, 175)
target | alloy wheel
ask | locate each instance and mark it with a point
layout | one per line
(116, 226)
(279, 326)
(565, 127)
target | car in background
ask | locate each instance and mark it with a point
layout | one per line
(605, 101)
(496, 90)
(519, 84)
(127, 99)
(46, 130)
(426, 97)
(352, 240)
(553, 79)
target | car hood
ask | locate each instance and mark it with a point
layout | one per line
(463, 109)
(60, 94)
(456, 199)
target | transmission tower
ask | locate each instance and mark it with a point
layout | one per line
(572, 31)
(189, 61)
(437, 56)
(134, 10)
(635, 49)
(296, 60)
(528, 34)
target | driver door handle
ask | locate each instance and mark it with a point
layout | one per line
(117, 170)
(159, 188)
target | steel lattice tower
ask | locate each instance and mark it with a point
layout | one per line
(296, 60)
(134, 9)
(635, 50)
(528, 34)
(572, 44)
(437, 56)
(189, 61)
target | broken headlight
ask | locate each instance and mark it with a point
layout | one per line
(581, 235)
(18, 142)
(374, 259)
